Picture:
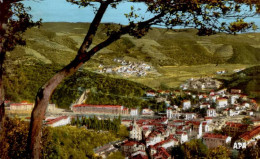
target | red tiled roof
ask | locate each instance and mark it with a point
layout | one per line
(92, 105)
(139, 156)
(238, 125)
(131, 143)
(161, 153)
(216, 136)
(250, 134)
(56, 120)
(222, 99)
(21, 104)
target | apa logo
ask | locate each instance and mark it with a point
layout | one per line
(239, 145)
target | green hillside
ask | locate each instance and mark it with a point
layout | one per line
(248, 80)
(176, 55)
(23, 81)
(58, 42)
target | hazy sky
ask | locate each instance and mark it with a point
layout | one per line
(62, 11)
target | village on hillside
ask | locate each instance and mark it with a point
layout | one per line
(127, 68)
(222, 117)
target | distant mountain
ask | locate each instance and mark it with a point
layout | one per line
(58, 43)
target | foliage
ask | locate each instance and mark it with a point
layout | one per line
(246, 80)
(71, 142)
(247, 121)
(194, 149)
(96, 124)
(220, 152)
(22, 83)
(105, 90)
(116, 155)
(250, 152)
(59, 142)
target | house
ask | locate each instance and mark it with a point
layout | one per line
(233, 129)
(59, 121)
(135, 131)
(186, 104)
(51, 107)
(139, 155)
(222, 102)
(134, 112)
(235, 91)
(172, 114)
(189, 116)
(130, 147)
(23, 106)
(182, 136)
(215, 140)
(150, 94)
(105, 150)
(250, 137)
(211, 112)
(147, 112)
(161, 153)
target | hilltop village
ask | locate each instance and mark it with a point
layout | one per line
(127, 68)
(222, 117)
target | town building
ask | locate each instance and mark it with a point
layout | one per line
(135, 131)
(250, 137)
(186, 104)
(148, 112)
(23, 106)
(130, 147)
(134, 112)
(233, 129)
(222, 102)
(100, 109)
(59, 121)
(215, 140)
(211, 112)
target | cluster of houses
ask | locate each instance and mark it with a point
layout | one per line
(154, 135)
(221, 126)
(127, 68)
(204, 83)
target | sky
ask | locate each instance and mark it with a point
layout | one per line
(62, 11)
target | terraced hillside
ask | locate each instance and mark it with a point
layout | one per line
(58, 42)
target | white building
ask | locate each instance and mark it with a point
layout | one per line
(189, 116)
(222, 102)
(172, 114)
(181, 136)
(134, 112)
(186, 104)
(59, 121)
(147, 112)
(211, 112)
(23, 106)
(135, 132)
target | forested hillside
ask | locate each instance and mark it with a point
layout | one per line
(23, 81)
(248, 80)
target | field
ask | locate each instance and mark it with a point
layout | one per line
(174, 76)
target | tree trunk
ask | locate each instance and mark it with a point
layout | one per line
(2, 103)
(41, 103)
